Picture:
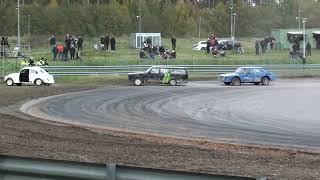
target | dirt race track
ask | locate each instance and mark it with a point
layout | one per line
(23, 135)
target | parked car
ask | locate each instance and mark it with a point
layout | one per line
(231, 44)
(160, 74)
(254, 75)
(30, 75)
(201, 45)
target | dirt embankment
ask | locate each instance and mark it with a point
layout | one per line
(22, 135)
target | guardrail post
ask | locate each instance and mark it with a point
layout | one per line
(111, 171)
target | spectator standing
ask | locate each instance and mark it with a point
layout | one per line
(208, 46)
(257, 47)
(173, 42)
(52, 41)
(67, 45)
(106, 42)
(72, 51)
(113, 43)
(308, 48)
(149, 42)
(102, 42)
(79, 43)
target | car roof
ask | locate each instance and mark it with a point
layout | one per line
(172, 67)
(33, 67)
(251, 67)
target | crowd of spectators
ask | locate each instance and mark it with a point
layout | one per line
(70, 49)
(105, 41)
(262, 46)
(4, 44)
(150, 51)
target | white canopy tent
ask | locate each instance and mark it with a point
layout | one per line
(137, 39)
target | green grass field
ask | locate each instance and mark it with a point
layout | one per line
(125, 55)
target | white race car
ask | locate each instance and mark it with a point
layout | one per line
(30, 75)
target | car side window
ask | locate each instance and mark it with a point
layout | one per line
(258, 71)
(162, 70)
(178, 71)
(154, 71)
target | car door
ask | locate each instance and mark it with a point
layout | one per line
(24, 75)
(162, 73)
(154, 75)
(33, 74)
(258, 74)
(248, 75)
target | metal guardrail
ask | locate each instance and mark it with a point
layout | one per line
(14, 168)
(113, 70)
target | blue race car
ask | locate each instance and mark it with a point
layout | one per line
(254, 75)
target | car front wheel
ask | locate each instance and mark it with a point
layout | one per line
(10, 82)
(38, 82)
(138, 82)
(235, 81)
(265, 81)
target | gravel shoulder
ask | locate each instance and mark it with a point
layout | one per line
(22, 135)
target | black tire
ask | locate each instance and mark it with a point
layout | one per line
(138, 81)
(227, 83)
(9, 82)
(38, 82)
(265, 81)
(173, 82)
(256, 83)
(236, 81)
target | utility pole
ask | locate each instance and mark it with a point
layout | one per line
(300, 18)
(200, 19)
(304, 20)
(140, 23)
(18, 9)
(29, 34)
(231, 18)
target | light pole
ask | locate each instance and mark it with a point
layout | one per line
(18, 9)
(200, 19)
(140, 37)
(234, 24)
(231, 18)
(304, 20)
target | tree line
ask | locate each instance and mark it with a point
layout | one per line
(170, 17)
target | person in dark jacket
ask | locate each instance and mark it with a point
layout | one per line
(208, 46)
(52, 40)
(106, 42)
(308, 48)
(67, 44)
(72, 51)
(257, 47)
(113, 43)
(173, 42)
(79, 43)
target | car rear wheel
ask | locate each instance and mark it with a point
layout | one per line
(173, 82)
(265, 81)
(138, 82)
(227, 83)
(10, 82)
(235, 81)
(38, 82)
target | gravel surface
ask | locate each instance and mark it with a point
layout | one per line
(23, 135)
